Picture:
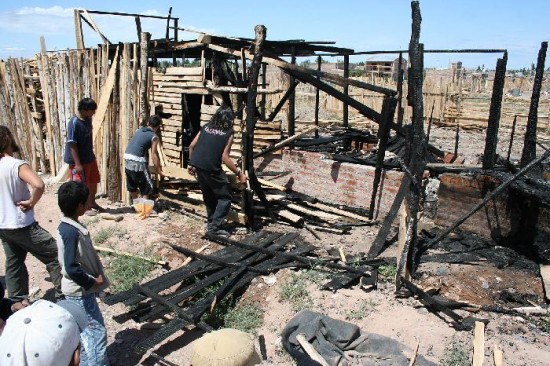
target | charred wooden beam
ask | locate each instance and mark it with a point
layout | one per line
(138, 27)
(319, 59)
(264, 97)
(170, 278)
(254, 257)
(529, 146)
(291, 120)
(436, 305)
(248, 133)
(400, 73)
(388, 110)
(308, 261)
(214, 260)
(491, 139)
(430, 124)
(345, 115)
(285, 142)
(512, 133)
(168, 25)
(417, 156)
(127, 14)
(283, 100)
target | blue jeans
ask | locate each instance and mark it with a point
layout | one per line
(94, 337)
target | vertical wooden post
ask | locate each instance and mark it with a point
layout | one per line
(491, 138)
(46, 96)
(529, 145)
(417, 160)
(400, 74)
(264, 95)
(78, 30)
(144, 82)
(317, 91)
(138, 27)
(248, 134)
(345, 111)
(512, 133)
(292, 103)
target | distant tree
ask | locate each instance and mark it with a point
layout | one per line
(305, 63)
(361, 63)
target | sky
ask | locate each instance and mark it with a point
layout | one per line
(362, 25)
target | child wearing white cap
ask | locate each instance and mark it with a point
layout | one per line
(43, 334)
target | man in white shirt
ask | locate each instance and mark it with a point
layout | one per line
(19, 232)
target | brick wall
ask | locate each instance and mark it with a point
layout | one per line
(458, 194)
(331, 181)
(510, 219)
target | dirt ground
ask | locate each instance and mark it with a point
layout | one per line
(405, 320)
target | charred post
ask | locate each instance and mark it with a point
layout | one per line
(491, 139)
(529, 145)
(417, 158)
(388, 111)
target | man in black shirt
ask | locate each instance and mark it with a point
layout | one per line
(207, 151)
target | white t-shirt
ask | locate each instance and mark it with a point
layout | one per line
(13, 190)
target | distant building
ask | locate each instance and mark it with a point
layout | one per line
(386, 68)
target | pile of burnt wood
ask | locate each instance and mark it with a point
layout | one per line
(179, 295)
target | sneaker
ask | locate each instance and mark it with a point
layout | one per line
(219, 232)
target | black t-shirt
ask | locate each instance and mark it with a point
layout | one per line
(207, 154)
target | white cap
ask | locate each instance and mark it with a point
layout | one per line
(40, 334)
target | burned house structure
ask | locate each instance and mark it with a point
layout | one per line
(329, 176)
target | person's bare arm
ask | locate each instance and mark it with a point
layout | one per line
(74, 153)
(191, 169)
(155, 156)
(27, 175)
(226, 158)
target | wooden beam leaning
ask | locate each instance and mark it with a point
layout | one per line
(388, 111)
(285, 142)
(491, 139)
(105, 96)
(283, 100)
(88, 19)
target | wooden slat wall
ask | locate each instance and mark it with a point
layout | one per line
(39, 96)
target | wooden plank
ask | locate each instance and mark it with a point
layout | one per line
(78, 30)
(99, 116)
(189, 79)
(479, 344)
(180, 70)
(337, 211)
(210, 109)
(310, 350)
(498, 356)
(545, 275)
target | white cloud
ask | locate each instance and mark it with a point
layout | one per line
(37, 20)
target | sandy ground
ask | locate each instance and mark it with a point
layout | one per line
(405, 320)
